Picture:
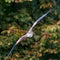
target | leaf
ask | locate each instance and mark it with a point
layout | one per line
(0, 43)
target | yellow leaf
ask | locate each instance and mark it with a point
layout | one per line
(0, 43)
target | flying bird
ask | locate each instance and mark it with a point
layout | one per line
(29, 33)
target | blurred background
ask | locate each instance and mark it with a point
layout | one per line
(17, 16)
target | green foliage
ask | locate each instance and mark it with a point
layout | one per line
(17, 16)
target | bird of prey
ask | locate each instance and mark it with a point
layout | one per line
(29, 33)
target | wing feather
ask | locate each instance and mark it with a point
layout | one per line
(40, 18)
(19, 40)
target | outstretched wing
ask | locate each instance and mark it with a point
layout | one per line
(19, 40)
(40, 18)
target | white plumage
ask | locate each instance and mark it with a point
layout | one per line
(29, 33)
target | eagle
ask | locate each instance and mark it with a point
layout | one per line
(29, 34)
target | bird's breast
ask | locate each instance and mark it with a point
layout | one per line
(30, 34)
